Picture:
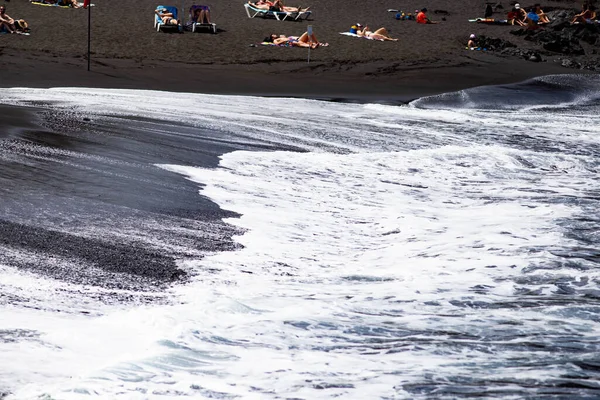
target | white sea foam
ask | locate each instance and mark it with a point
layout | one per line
(380, 258)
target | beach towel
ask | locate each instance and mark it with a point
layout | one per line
(38, 3)
(491, 21)
(358, 36)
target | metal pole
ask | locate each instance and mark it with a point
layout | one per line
(89, 34)
(309, 31)
(182, 19)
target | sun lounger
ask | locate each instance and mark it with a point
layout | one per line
(278, 15)
(160, 25)
(196, 25)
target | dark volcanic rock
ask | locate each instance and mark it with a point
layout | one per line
(494, 44)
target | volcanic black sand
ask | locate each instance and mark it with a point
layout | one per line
(84, 201)
(128, 53)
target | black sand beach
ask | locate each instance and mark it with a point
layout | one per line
(64, 178)
(128, 53)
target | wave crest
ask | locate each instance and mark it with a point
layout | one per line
(552, 91)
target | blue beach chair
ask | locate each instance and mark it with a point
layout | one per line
(159, 23)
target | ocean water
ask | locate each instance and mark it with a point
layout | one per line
(164, 245)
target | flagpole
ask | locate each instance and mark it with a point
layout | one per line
(89, 33)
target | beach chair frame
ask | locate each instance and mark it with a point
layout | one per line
(159, 25)
(253, 12)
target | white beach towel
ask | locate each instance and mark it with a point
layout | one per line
(355, 35)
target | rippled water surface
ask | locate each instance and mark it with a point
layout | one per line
(162, 245)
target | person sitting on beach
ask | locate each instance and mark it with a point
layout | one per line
(517, 16)
(587, 15)
(422, 17)
(532, 20)
(6, 22)
(543, 17)
(532, 16)
(201, 15)
(304, 40)
(379, 34)
(472, 43)
(166, 17)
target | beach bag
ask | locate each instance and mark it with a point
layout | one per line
(488, 11)
(21, 25)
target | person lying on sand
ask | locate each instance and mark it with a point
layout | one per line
(276, 5)
(166, 17)
(304, 40)
(379, 34)
(422, 17)
(588, 15)
(6, 21)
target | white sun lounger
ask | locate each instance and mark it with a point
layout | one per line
(278, 15)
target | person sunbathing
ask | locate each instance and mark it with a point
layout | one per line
(6, 22)
(261, 4)
(276, 6)
(588, 15)
(543, 16)
(304, 40)
(201, 15)
(166, 17)
(379, 34)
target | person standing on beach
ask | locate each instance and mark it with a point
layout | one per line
(6, 21)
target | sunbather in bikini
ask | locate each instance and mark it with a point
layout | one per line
(304, 40)
(276, 5)
(379, 34)
(166, 17)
